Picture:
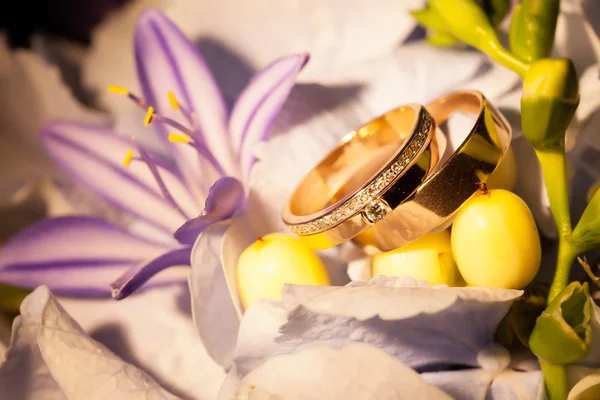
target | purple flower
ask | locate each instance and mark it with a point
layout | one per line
(213, 153)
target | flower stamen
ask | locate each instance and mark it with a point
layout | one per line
(128, 158)
(176, 105)
(173, 101)
(187, 135)
(149, 116)
(125, 92)
(179, 138)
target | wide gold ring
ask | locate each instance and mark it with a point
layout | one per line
(372, 171)
(431, 207)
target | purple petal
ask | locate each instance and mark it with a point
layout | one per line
(77, 256)
(256, 92)
(226, 196)
(136, 276)
(93, 155)
(260, 103)
(167, 61)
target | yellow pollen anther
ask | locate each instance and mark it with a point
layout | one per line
(149, 116)
(128, 158)
(173, 100)
(179, 138)
(118, 89)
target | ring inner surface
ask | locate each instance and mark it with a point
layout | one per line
(354, 163)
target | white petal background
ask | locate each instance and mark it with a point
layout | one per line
(358, 69)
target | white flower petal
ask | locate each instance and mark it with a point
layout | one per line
(396, 299)
(258, 330)
(353, 372)
(54, 358)
(530, 186)
(468, 384)
(83, 367)
(154, 331)
(514, 385)
(575, 40)
(425, 327)
(494, 82)
(24, 366)
(215, 314)
(32, 94)
(589, 92)
(335, 33)
(415, 73)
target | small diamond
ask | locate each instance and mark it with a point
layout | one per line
(376, 210)
(353, 204)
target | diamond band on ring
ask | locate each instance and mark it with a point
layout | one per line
(405, 141)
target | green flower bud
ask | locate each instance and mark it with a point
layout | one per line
(562, 334)
(436, 34)
(466, 20)
(442, 39)
(532, 29)
(428, 18)
(550, 98)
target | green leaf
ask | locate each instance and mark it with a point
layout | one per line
(11, 297)
(525, 311)
(562, 334)
(586, 389)
(586, 235)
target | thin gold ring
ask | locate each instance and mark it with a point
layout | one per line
(366, 176)
(431, 207)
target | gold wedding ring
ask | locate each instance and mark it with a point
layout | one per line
(370, 173)
(431, 207)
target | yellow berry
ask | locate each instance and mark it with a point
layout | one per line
(505, 175)
(429, 259)
(495, 241)
(274, 260)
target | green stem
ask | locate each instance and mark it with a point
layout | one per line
(506, 58)
(554, 167)
(555, 378)
(566, 255)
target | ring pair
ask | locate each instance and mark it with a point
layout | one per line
(386, 182)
